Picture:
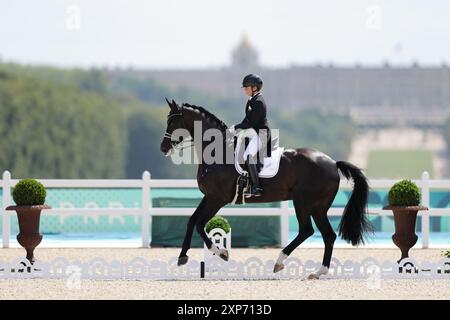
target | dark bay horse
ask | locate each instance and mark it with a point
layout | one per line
(308, 177)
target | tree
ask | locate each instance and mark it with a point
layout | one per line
(145, 131)
(56, 131)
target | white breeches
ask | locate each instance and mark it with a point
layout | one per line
(254, 144)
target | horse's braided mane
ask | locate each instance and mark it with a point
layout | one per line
(220, 124)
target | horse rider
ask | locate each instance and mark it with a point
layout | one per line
(255, 118)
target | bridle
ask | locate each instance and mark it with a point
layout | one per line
(168, 135)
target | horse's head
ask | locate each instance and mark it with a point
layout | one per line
(174, 122)
(182, 122)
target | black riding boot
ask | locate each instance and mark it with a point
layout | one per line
(255, 190)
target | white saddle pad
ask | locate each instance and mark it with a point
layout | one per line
(271, 164)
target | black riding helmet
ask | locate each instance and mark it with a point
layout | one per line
(252, 80)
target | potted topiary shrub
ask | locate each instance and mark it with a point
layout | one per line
(29, 196)
(219, 231)
(218, 222)
(404, 200)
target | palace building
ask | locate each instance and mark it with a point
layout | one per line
(386, 94)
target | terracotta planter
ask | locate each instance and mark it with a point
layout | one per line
(29, 236)
(405, 227)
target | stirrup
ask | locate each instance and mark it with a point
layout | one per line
(251, 194)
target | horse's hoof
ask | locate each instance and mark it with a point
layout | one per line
(323, 270)
(278, 267)
(182, 260)
(224, 254)
(313, 276)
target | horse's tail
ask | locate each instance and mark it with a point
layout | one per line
(354, 223)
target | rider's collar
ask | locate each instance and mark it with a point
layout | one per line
(257, 93)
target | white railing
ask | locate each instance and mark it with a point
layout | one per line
(146, 211)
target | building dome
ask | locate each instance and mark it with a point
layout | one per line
(244, 55)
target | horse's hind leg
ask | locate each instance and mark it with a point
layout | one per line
(305, 231)
(329, 236)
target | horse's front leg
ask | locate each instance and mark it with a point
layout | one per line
(183, 258)
(212, 206)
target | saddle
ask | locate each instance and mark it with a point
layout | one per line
(267, 168)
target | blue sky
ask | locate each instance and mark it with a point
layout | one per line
(202, 33)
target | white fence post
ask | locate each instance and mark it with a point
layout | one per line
(284, 223)
(145, 208)
(425, 214)
(6, 188)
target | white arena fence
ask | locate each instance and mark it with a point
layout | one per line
(214, 268)
(146, 211)
(252, 268)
